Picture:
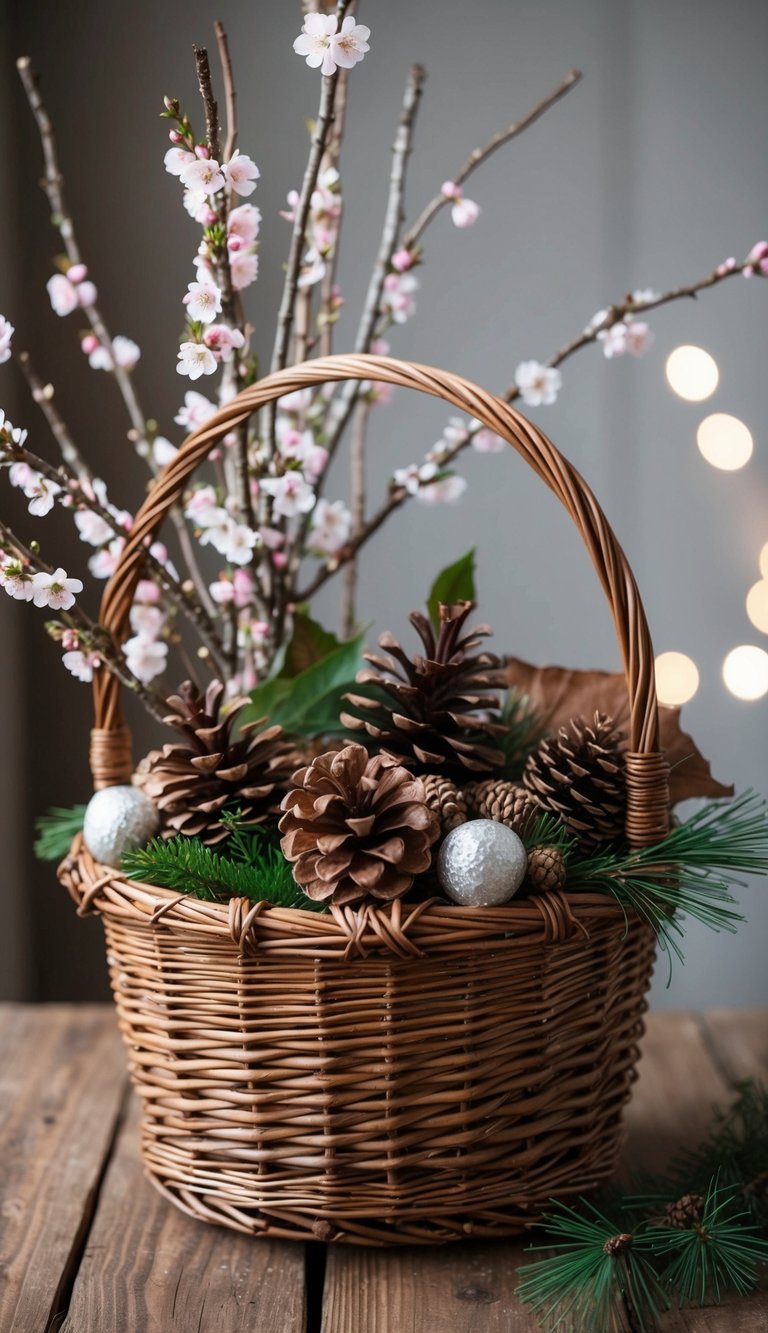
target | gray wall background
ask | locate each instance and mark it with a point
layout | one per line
(650, 173)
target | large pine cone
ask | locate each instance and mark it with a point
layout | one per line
(579, 775)
(434, 718)
(356, 827)
(193, 781)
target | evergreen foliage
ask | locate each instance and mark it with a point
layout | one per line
(55, 831)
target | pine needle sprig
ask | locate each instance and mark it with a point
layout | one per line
(689, 873)
(524, 732)
(187, 865)
(720, 1251)
(736, 1149)
(599, 1277)
(544, 829)
(55, 831)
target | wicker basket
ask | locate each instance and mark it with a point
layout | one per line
(415, 1074)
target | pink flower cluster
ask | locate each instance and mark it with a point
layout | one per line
(54, 590)
(71, 290)
(464, 212)
(757, 261)
(328, 48)
(322, 226)
(146, 652)
(217, 526)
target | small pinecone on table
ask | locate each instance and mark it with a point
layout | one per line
(545, 871)
(434, 719)
(356, 827)
(444, 798)
(507, 802)
(579, 775)
(191, 781)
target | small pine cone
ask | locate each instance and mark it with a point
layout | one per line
(685, 1212)
(506, 802)
(546, 869)
(444, 798)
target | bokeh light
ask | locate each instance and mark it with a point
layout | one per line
(677, 678)
(764, 561)
(745, 672)
(725, 441)
(757, 605)
(692, 373)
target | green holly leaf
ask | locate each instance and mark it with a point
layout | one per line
(305, 697)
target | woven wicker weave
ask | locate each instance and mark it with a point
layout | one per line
(413, 1074)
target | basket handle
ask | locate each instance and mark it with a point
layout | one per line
(647, 771)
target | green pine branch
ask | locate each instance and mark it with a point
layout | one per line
(524, 733)
(55, 831)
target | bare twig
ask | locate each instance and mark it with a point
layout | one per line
(479, 155)
(357, 505)
(43, 395)
(96, 635)
(341, 407)
(210, 107)
(230, 95)
(398, 495)
(331, 159)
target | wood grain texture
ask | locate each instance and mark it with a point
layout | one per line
(148, 1268)
(62, 1081)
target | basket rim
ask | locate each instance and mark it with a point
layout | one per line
(407, 929)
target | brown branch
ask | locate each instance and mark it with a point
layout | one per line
(101, 641)
(331, 159)
(43, 395)
(230, 95)
(479, 155)
(210, 107)
(357, 506)
(398, 494)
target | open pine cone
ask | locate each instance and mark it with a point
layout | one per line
(579, 775)
(356, 827)
(193, 780)
(434, 718)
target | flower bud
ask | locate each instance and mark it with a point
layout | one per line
(172, 105)
(175, 137)
(201, 151)
(77, 272)
(89, 343)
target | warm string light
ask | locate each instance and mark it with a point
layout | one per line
(745, 672)
(724, 441)
(692, 373)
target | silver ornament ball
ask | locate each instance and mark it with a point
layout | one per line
(117, 820)
(481, 863)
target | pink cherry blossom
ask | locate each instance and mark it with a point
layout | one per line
(200, 503)
(324, 48)
(86, 293)
(397, 298)
(17, 581)
(55, 590)
(445, 490)
(244, 269)
(414, 477)
(351, 44)
(41, 494)
(163, 451)
(487, 441)
(21, 475)
(147, 591)
(104, 563)
(241, 174)
(243, 224)
(16, 434)
(330, 528)
(539, 385)
(147, 620)
(81, 664)
(279, 559)
(88, 343)
(196, 411)
(6, 333)
(77, 272)
(203, 301)
(202, 176)
(195, 203)
(757, 261)
(639, 337)
(465, 212)
(195, 359)
(727, 266)
(62, 294)
(70, 638)
(223, 341)
(401, 260)
(243, 585)
(124, 354)
(290, 493)
(177, 160)
(613, 340)
(146, 658)
(272, 538)
(450, 190)
(222, 591)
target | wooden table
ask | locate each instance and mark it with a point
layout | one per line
(88, 1246)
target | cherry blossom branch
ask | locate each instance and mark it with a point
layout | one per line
(53, 186)
(398, 495)
(43, 395)
(357, 506)
(331, 159)
(230, 95)
(210, 105)
(341, 408)
(97, 636)
(479, 155)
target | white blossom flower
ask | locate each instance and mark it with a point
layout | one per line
(195, 202)
(92, 527)
(222, 591)
(397, 297)
(445, 490)
(415, 476)
(597, 320)
(6, 333)
(195, 359)
(223, 341)
(200, 503)
(55, 590)
(323, 47)
(104, 563)
(243, 224)
(241, 174)
(62, 294)
(17, 581)
(41, 494)
(160, 554)
(238, 543)
(313, 268)
(291, 494)
(146, 658)
(639, 337)
(124, 354)
(331, 526)
(350, 45)
(86, 293)
(146, 620)
(21, 475)
(203, 301)
(177, 160)
(244, 268)
(81, 664)
(299, 401)
(613, 340)
(465, 212)
(196, 411)
(645, 294)
(487, 441)
(539, 385)
(163, 451)
(202, 175)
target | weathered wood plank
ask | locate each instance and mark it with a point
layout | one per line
(466, 1289)
(149, 1268)
(62, 1080)
(739, 1040)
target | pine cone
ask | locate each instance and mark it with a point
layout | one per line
(546, 869)
(192, 781)
(444, 798)
(579, 775)
(356, 827)
(685, 1212)
(506, 802)
(435, 716)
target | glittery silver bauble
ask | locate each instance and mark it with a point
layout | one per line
(117, 820)
(481, 863)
